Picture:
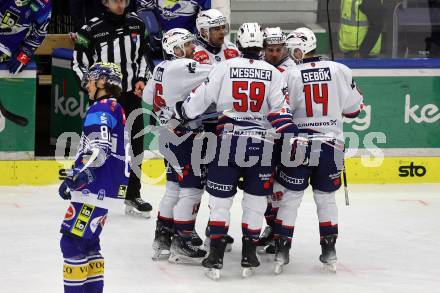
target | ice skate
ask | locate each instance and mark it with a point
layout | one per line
(282, 247)
(214, 261)
(162, 242)
(249, 257)
(195, 239)
(265, 242)
(137, 207)
(183, 252)
(229, 241)
(328, 256)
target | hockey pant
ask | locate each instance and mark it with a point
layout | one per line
(253, 212)
(179, 207)
(288, 210)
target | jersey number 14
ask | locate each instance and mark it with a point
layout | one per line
(316, 93)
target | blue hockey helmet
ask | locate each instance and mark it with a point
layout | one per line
(109, 72)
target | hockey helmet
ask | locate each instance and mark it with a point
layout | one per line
(250, 35)
(176, 38)
(109, 72)
(208, 19)
(273, 36)
(302, 38)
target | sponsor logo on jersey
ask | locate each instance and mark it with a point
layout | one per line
(9, 19)
(70, 214)
(100, 35)
(201, 57)
(134, 27)
(81, 40)
(316, 75)
(251, 73)
(158, 74)
(317, 124)
(82, 221)
(101, 194)
(122, 191)
(291, 180)
(412, 170)
(218, 186)
(230, 53)
(96, 222)
(428, 113)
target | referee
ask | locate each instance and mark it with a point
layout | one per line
(119, 37)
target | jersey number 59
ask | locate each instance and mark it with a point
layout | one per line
(249, 95)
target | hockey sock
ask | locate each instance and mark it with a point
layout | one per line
(186, 210)
(327, 212)
(75, 272)
(219, 216)
(95, 275)
(253, 213)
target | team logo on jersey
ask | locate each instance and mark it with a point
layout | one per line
(201, 57)
(217, 58)
(315, 75)
(192, 67)
(9, 19)
(70, 214)
(122, 191)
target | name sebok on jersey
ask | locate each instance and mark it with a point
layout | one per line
(322, 92)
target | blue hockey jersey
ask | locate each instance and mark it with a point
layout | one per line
(175, 13)
(23, 26)
(104, 132)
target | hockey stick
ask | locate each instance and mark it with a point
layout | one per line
(92, 158)
(344, 172)
(17, 119)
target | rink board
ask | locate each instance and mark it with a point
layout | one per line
(359, 171)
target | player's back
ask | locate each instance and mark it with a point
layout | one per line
(320, 92)
(249, 90)
(172, 81)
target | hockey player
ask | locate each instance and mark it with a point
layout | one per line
(173, 80)
(120, 37)
(321, 92)
(275, 53)
(212, 47)
(246, 89)
(97, 182)
(23, 27)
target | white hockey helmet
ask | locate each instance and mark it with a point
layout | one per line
(250, 35)
(208, 19)
(273, 36)
(176, 38)
(302, 38)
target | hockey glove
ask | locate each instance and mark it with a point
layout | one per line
(179, 113)
(64, 191)
(77, 180)
(300, 149)
(19, 60)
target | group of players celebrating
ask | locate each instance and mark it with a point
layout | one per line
(264, 116)
(269, 101)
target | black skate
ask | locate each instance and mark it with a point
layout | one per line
(195, 238)
(183, 252)
(137, 207)
(282, 247)
(266, 242)
(229, 241)
(328, 256)
(162, 241)
(214, 261)
(249, 258)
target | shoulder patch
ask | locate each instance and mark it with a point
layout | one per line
(230, 53)
(202, 57)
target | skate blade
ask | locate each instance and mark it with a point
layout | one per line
(130, 211)
(160, 255)
(279, 267)
(228, 247)
(329, 267)
(247, 272)
(182, 259)
(213, 274)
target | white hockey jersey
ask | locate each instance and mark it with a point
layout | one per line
(204, 55)
(321, 93)
(244, 91)
(286, 64)
(172, 81)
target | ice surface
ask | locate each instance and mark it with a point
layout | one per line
(389, 242)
